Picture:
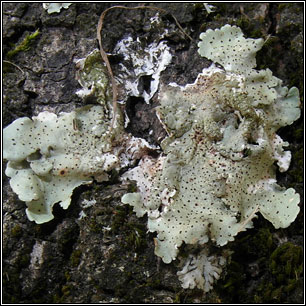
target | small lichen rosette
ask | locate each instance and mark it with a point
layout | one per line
(218, 165)
(201, 270)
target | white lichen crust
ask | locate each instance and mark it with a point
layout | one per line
(218, 168)
(140, 63)
(201, 270)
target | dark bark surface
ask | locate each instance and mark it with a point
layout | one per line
(108, 256)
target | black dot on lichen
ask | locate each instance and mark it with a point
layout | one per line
(62, 172)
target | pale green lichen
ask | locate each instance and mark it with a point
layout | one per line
(209, 8)
(218, 169)
(50, 155)
(55, 7)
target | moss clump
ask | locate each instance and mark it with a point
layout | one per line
(134, 232)
(66, 290)
(285, 267)
(298, 163)
(233, 285)
(279, 270)
(298, 157)
(135, 235)
(281, 7)
(94, 226)
(67, 239)
(252, 28)
(75, 258)
(24, 45)
(119, 218)
(286, 262)
(67, 276)
(24, 261)
(16, 231)
(254, 247)
(257, 246)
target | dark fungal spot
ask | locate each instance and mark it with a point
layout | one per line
(62, 172)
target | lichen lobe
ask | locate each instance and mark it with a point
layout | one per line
(218, 168)
(50, 155)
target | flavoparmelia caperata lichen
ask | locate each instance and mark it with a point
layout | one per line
(50, 155)
(217, 170)
(55, 7)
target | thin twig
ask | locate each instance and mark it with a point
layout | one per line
(104, 55)
(8, 62)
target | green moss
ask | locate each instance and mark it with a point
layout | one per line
(198, 7)
(66, 290)
(292, 283)
(203, 27)
(286, 262)
(16, 231)
(153, 283)
(221, 8)
(218, 17)
(135, 238)
(177, 299)
(248, 248)
(56, 299)
(39, 293)
(114, 176)
(295, 170)
(234, 281)
(67, 239)
(256, 245)
(299, 158)
(24, 45)
(11, 285)
(75, 258)
(94, 226)
(284, 270)
(119, 217)
(251, 27)
(281, 7)
(255, 33)
(270, 43)
(67, 276)
(24, 261)
(243, 23)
